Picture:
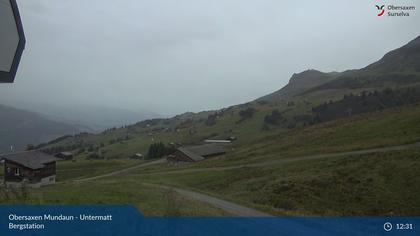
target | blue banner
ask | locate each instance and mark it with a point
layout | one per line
(127, 220)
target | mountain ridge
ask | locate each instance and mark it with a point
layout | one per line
(398, 66)
(299, 82)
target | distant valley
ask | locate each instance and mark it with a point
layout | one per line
(19, 128)
(34, 124)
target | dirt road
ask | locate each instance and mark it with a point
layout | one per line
(227, 206)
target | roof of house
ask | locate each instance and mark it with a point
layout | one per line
(30, 159)
(190, 154)
(208, 149)
(197, 153)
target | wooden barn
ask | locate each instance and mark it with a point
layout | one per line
(196, 153)
(34, 168)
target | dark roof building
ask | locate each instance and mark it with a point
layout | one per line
(64, 155)
(208, 150)
(196, 153)
(33, 168)
(192, 156)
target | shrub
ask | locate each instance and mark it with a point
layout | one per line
(247, 113)
(211, 120)
(94, 156)
(157, 150)
(274, 118)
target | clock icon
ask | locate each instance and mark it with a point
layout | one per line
(387, 226)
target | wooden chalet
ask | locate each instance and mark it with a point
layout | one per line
(34, 168)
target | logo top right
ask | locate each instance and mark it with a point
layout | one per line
(381, 10)
(394, 10)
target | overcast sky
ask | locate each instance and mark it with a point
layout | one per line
(172, 56)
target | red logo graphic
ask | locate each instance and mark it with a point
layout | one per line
(380, 9)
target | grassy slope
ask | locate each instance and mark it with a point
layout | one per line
(391, 127)
(68, 170)
(248, 132)
(370, 184)
(178, 131)
(386, 128)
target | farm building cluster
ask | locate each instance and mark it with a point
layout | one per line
(36, 168)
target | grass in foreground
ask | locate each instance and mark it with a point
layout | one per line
(151, 201)
(370, 184)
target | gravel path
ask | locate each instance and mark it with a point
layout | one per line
(229, 207)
